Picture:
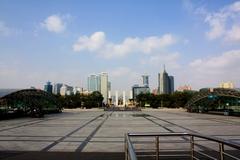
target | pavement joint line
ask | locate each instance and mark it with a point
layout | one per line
(91, 135)
(210, 119)
(23, 125)
(69, 134)
(174, 124)
(183, 137)
(28, 124)
(158, 124)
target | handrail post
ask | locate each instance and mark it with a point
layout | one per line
(157, 147)
(192, 146)
(221, 150)
(126, 147)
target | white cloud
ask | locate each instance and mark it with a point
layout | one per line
(92, 43)
(217, 26)
(208, 72)
(123, 78)
(169, 59)
(98, 44)
(54, 23)
(224, 23)
(120, 71)
(233, 34)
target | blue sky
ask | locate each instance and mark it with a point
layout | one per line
(65, 41)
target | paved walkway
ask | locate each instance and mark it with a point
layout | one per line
(97, 131)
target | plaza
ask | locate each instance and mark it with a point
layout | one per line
(86, 134)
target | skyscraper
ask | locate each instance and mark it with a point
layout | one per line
(104, 86)
(171, 84)
(57, 87)
(48, 87)
(165, 83)
(109, 86)
(136, 89)
(66, 90)
(94, 83)
(145, 80)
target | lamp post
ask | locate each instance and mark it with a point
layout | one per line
(226, 112)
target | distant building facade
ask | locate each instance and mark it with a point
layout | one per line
(48, 87)
(94, 83)
(184, 88)
(165, 83)
(145, 80)
(100, 83)
(66, 90)
(77, 90)
(136, 90)
(171, 84)
(109, 86)
(227, 85)
(56, 88)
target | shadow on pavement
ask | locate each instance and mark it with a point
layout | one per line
(35, 155)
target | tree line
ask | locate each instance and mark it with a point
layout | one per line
(78, 100)
(95, 100)
(175, 100)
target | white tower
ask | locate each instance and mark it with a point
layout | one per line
(130, 94)
(116, 98)
(104, 86)
(124, 98)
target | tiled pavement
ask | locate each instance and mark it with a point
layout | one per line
(75, 131)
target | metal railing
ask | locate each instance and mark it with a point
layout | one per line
(194, 150)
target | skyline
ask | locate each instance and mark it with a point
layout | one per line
(65, 42)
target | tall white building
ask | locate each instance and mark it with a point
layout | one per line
(104, 86)
(66, 90)
(77, 90)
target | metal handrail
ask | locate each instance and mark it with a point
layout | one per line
(129, 150)
(131, 155)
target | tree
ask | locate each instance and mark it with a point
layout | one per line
(175, 100)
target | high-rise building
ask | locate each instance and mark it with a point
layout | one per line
(104, 86)
(136, 89)
(66, 90)
(171, 84)
(109, 86)
(48, 87)
(57, 87)
(77, 90)
(165, 83)
(94, 83)
(145, 80)
(228, 85)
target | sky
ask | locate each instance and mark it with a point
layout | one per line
(66, 40)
